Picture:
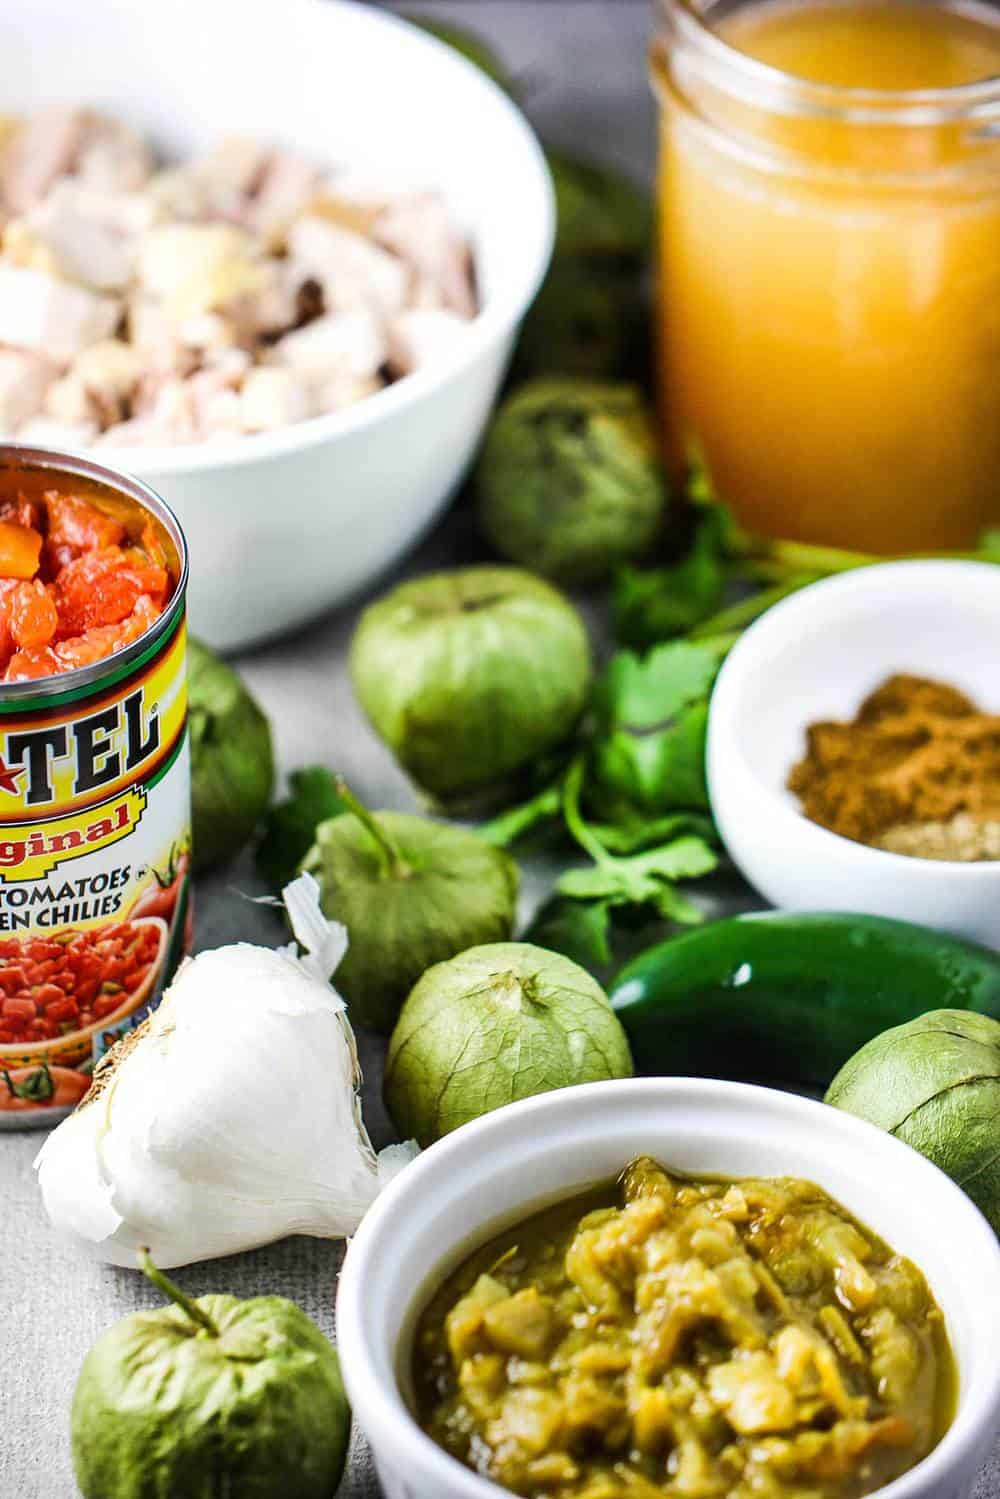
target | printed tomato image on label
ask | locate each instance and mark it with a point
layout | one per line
(95, 838)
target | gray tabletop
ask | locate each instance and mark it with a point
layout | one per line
(581, 66)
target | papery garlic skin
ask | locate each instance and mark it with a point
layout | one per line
(231, 1119)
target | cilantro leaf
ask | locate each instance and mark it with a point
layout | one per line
(647, 756)
(653, 604)
(635, 832)
(674, 906)
(290, 825)
(640, 692)
(640, 879)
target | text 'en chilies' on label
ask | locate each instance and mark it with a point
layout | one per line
(95, 832)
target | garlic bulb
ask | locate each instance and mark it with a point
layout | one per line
(230, 1118)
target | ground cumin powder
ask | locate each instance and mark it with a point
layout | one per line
(917, 772)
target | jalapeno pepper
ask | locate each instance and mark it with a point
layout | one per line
(788, 997)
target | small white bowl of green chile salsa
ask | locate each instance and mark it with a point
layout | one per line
(472, 1187)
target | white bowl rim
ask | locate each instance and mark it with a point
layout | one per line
(496, 317)
(785, 616)
(384, 1414)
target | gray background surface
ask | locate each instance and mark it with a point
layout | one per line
(581, 66)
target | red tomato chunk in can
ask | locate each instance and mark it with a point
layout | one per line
(77, 582)
(50, 986)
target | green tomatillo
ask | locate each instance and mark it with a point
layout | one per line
(208, 1398)
(410, 892)
(232, 760)
(495, 1024)
(935, 1083)
(570, 482)
(469, 676)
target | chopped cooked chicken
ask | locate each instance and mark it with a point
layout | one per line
(100, 152)
(351, 270)
(159, 339)
(23, 382)
(195, 268)
(68, 400)
(213, 186)
(341, 343)
(285, 188)
(344, 389)
(233, 365)
(137, 432)
(98, 386)
(169, 407)
(423, 234)
(237, 291)
(214, 403)
(81, 234)
(366, 191)
(273, 397)
(36, 154)
(423, 335)
(52, 317)
(112, 158)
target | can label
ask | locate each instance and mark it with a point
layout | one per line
(94, 853)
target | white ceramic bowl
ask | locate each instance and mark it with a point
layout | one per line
(817, 655)
(499, 1169)
(282, 526)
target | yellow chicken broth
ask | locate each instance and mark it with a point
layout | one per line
(830, 288)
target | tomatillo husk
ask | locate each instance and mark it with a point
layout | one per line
(492, 1025)
(935, 1083)
(410, 892)
(232, 759)
(210, 1397)
(469, 676)
(570, 482)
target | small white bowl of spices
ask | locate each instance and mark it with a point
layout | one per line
(854, 747)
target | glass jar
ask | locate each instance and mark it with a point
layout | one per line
(829, 293)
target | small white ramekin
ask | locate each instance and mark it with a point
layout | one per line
(499, 1169)
(817, 655)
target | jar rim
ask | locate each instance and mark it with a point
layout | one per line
(768, 87)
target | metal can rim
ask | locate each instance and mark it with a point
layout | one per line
(79, 678)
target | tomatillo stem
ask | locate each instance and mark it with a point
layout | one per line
(389, 856)
(175, 1294)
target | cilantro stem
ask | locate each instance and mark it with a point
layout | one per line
(780, 559)
(387, 851)
(575, 822)
(735, 617)
(800, 555)
(803, 557)
(509, 826)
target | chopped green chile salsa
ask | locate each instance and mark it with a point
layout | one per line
(704, 1339)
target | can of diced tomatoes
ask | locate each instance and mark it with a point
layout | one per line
(95, 801)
